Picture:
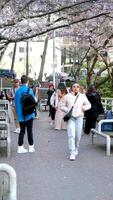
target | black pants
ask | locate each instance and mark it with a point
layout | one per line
(90, 123)
(52, 112)
(23, 125)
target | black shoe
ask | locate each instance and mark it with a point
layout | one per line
(86, 133)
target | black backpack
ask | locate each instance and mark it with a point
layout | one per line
(28, 103)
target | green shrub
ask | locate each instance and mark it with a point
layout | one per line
(106, 89)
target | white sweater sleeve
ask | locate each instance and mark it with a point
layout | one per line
(86, 104)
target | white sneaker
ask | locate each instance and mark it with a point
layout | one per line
(72, 157)
(76, 152)
(37, 117)
(21, 149)
(51, 123)
(31, 148)
(17, 130)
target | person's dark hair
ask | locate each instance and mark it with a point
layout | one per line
(91, 88)
(24, 79)
(34, 88)
(62, 87)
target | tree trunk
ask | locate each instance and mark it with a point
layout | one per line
(112, 79)
(13, 58)
(2, 50)
(43, 58)
(91, 61)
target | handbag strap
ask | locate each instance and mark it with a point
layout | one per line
(76, 99)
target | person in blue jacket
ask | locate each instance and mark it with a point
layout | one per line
(24, 121)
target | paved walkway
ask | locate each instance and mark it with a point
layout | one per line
(48, 174)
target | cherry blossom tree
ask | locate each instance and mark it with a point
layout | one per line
(89, 21)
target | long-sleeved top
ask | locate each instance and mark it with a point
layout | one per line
(49, 93)
(12, 95)
(20, 117)
(82, 104)
(96, 106)
(59, 115)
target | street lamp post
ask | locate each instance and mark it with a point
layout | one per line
(54, 58)
(27, 58)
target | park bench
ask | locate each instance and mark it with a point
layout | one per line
(7, 182)
(107, 134)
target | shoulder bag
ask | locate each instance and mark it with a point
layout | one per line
(68, 115)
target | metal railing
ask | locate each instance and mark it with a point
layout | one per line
(107, 103)
(5, 136)
(5, 119)
(5, 105)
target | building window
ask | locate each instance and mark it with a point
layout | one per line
(67, 56)
(21, 49)
(67, 69)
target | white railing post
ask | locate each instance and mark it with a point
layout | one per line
(12, 180)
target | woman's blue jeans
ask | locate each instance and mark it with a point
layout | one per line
(74, 131)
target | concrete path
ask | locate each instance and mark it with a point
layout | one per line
(48, 174)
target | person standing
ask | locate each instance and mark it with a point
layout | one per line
(24, 121)
(80, 104)
(34, 88)
(11, 97)
(51, 102)
(60, 93)
(96, 109)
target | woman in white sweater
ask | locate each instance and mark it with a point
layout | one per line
(74, 126)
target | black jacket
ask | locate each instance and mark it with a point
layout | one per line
(95, 100)
(49, 93)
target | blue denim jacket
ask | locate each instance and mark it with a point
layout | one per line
(18, 105)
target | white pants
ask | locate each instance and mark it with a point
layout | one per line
(74, 131)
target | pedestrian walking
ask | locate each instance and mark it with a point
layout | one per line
(52, 111)
(59, 101)
(80, 104)
(51, 102)
(24, 121)
(92, 114)
(35, 91)
(11, 97)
